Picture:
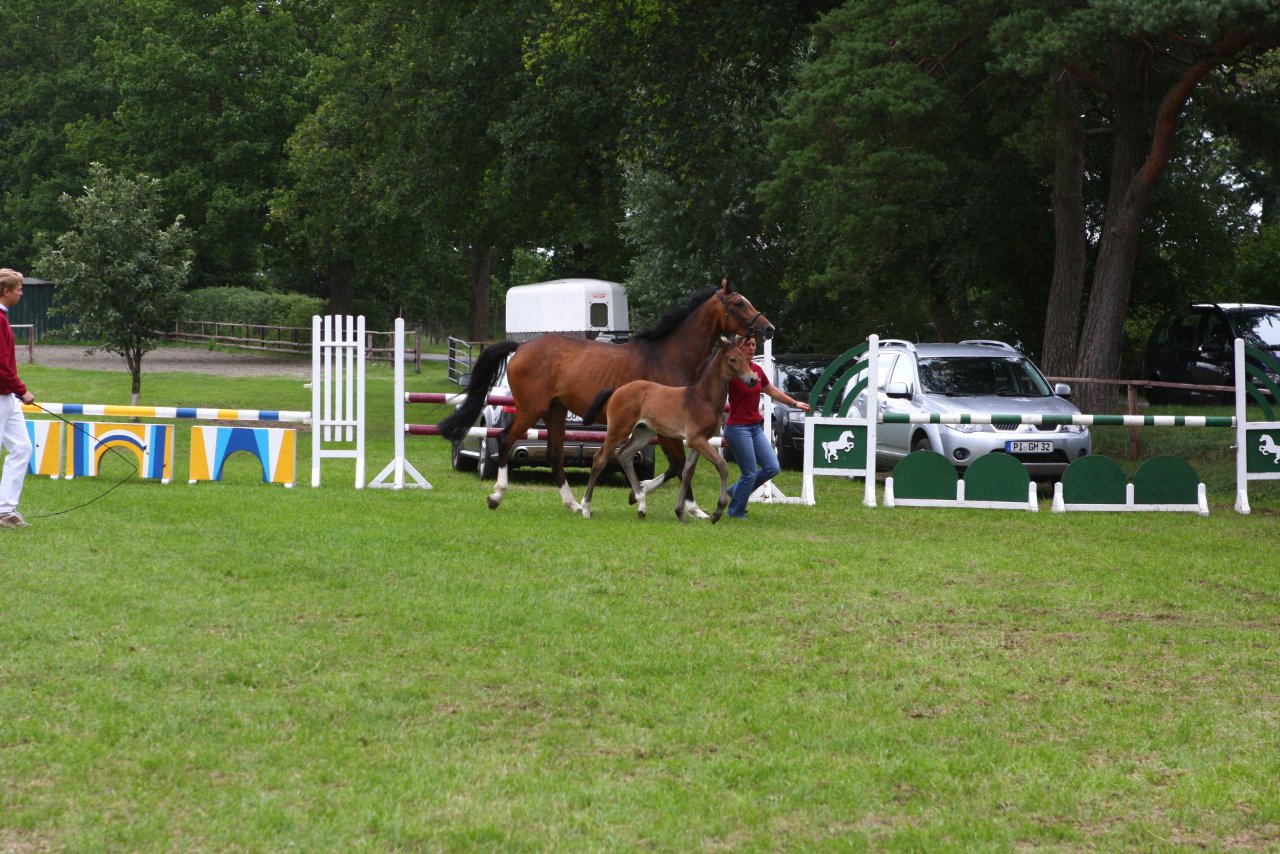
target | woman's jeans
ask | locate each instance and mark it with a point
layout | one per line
(754, 454)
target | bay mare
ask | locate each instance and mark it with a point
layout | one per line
(639, 410)
(555, 374)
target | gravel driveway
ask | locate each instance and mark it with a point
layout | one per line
(192, 360)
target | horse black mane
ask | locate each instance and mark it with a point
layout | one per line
(674, 316)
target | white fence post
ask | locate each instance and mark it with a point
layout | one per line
(399, 467)
(337, 392)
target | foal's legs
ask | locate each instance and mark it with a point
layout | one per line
(598, 462)
(703, 447)
(675, 453)
(686, 481)
(641, 435)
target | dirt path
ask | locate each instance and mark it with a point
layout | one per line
(164, 359)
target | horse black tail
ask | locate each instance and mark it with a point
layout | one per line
(589, 417)
(483, 375)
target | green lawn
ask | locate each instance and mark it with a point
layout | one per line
(236, 666)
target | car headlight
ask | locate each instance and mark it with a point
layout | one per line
(1072, 428)
(969, 428)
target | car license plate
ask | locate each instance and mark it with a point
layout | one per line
(1029, 447)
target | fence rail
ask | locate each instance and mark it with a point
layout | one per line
(283, 339)
(31, 338)
(1131, 396)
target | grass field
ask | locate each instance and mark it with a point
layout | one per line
(239, 667)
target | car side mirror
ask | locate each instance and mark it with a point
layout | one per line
(897, 390)
(464, 380)
(1213, 348)
(1062, 390)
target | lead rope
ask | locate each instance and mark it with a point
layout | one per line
(114, 450)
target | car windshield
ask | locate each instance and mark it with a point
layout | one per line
(969, 376)
(797, 380)
(1260, 329)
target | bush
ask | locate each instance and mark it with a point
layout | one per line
(244, 305)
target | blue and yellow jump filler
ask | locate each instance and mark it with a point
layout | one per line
(46, 448)
(275, 448)
(151, 445)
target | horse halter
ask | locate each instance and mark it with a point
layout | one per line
(740, 315)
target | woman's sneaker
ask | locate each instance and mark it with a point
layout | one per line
(13, 520)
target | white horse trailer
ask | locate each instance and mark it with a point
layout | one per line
(588, 308)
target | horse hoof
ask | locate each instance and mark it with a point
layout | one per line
(715, 517)
(494, 502)
(640, 514)
(631, 498)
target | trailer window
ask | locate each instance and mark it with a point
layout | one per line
(600, 315)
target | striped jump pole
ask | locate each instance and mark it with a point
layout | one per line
(169, 412)
(531, 434)
(1051, 420)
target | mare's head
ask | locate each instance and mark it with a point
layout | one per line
(740, 316)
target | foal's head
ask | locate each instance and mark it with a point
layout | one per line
(735, 360)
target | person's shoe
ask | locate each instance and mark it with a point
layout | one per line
(12, 520)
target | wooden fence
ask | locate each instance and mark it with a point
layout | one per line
(1131, 394)
(379, 346)
(30, 329)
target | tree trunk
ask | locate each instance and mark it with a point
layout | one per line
(1070, 246)
(479, 273)
(1133, 180)
(1101, 337)
(133, 359)
(342, 286)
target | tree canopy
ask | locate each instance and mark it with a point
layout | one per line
(1050, 171)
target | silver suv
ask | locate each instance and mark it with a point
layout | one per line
(976, 377)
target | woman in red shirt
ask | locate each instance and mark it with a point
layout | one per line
(745, 436)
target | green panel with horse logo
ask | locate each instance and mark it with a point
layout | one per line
(839, 446)
(1262, 451)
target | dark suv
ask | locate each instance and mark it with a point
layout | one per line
(1193, 345)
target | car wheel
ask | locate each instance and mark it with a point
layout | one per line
(487, 465)
(921, 443)
(459, 460)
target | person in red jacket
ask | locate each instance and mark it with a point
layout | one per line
(13, 427)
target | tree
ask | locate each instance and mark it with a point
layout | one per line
(678, 94)
(120, 275)
(51, 89)
(901, 187)
(206, 95)
(1142, 63)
